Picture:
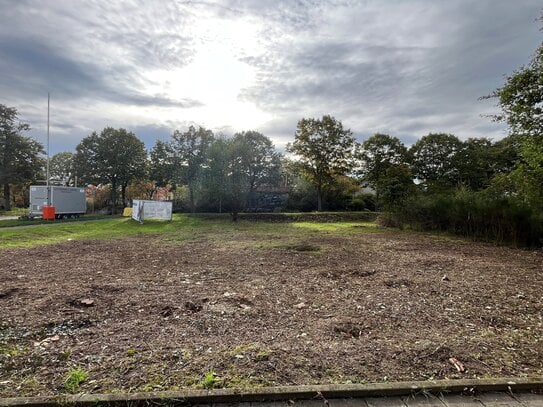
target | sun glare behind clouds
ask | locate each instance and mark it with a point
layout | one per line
(215, 77)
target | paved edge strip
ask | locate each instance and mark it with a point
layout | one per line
(308, 392)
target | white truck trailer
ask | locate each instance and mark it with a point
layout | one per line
(68, 201)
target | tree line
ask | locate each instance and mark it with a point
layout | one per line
(476, 187)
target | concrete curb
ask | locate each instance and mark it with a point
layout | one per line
(191, 397)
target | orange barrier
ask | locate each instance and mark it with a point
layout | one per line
(48, 212)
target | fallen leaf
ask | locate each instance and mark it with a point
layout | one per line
(300, 305)
(457, 364)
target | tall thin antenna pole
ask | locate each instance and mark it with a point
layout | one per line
(47, 167)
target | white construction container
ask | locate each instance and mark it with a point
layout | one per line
(142, 210)
(68, 201)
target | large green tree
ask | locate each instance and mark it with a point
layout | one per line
(189, 158)
(161, 166)
(379, 153)
(20, 159)
(216, 175)
(237, 167)
(226, 177)
(383, 164)
(505, 154)
(474, 163)
(115, 156)
(61, 168)
(435, 160)
(521, 101)
(260, 160)
(325, 151)
(521, 98)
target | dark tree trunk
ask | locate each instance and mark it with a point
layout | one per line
(7, 197)
(234, 216)
(319, 199)
(123, 194)
(191, 199)
(113, 197)
(250, 197)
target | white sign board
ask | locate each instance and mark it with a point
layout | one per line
(142, 210)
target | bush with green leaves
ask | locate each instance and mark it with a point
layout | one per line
(479, 215)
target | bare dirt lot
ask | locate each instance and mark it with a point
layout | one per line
(345, 306)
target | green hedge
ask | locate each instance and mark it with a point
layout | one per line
(477, 215)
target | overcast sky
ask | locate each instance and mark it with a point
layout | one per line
(405, 68)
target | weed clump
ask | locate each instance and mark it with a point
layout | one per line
(74, 378)
(210, 381)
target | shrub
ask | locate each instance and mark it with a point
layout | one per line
(389, 220)
(479, 215)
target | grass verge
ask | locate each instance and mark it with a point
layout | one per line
(182, 227)
(8, 223)
(96, 229)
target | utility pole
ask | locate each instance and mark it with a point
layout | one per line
(47, 167)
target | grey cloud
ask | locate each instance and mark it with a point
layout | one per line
(32, 66)
(140, 99)
(97, 50)
(28, 63)
(326, 75)
(158, 50)
(295, 15)
(402, 88)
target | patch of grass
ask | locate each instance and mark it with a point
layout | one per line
(343, 227)
(154, 382)
(8, 223)
(211, 381)
(191, 381)
(110, 228)
(74, 379)
(131, 352)
(232, 379)
(9, 350)
(183, 227)
(245, 382)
